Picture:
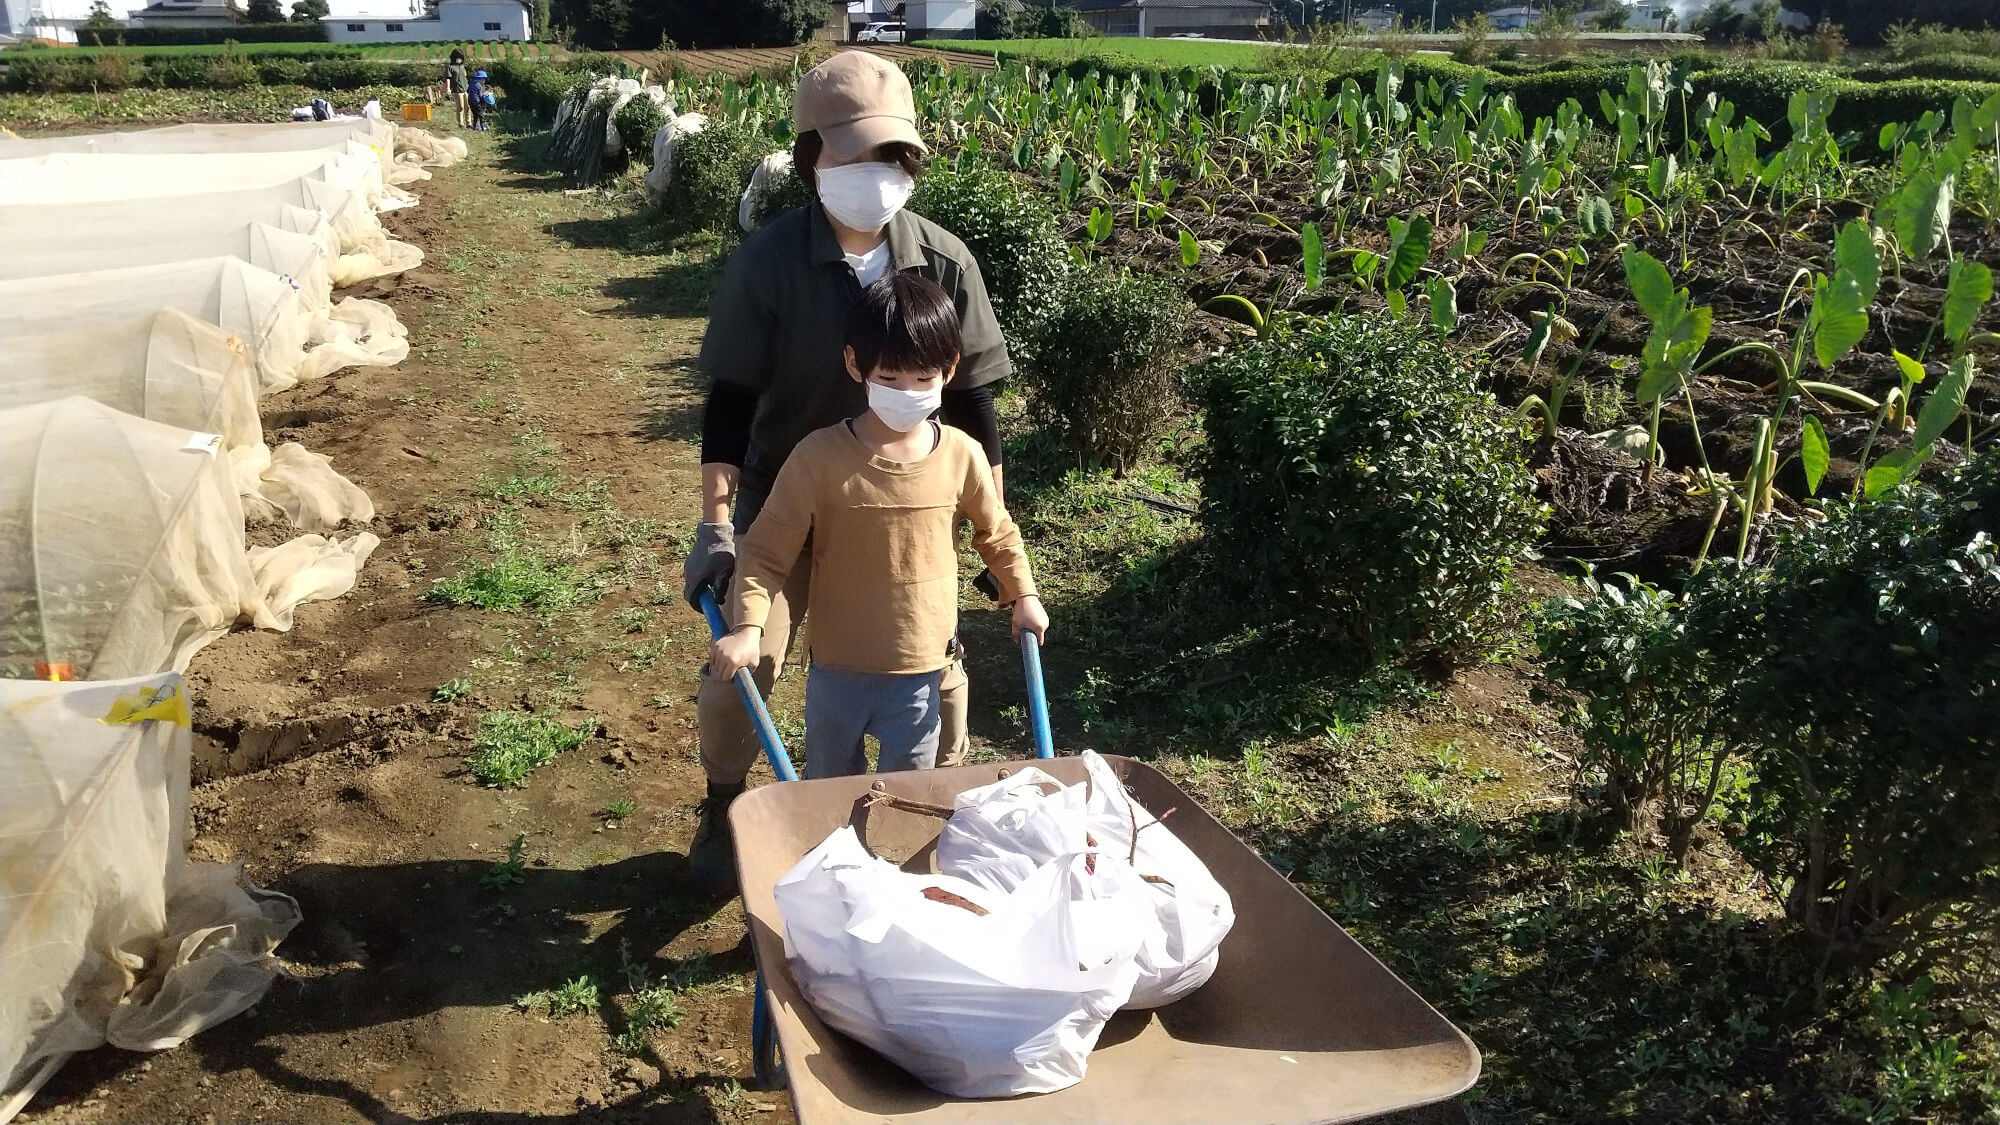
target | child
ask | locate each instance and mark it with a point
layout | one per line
(878, 497)
(478, 98)
(455, 75)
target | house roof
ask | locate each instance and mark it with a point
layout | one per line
(189, 8)
(1246, 7)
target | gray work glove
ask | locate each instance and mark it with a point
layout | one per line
(709, 563)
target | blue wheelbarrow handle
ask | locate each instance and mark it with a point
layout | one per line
(753, 700)
(1038, 700)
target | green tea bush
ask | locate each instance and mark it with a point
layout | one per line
(114, 72)
(231, 71)
(1863, 672)
(711, 169)
(1358, 483)
(180, 72)
(1103, 369)
(1959, 67)
(637, 121)
(33, 72)
(1012, 235)
(1644, 703)
(782, 194)
(352, 74)
(280, 70)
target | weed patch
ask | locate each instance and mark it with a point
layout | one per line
(510, 746)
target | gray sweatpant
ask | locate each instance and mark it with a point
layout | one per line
(903, 712)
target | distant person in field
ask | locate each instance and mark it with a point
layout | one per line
(870, 505)
(774, 356)
(479, 96)
(461, 88)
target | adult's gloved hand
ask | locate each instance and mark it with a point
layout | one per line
(709, 563)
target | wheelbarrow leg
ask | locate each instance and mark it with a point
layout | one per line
(767, 1070)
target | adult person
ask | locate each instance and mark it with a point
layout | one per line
(774, 357)
(461, 88)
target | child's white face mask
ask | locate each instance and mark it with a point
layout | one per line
(901, 410)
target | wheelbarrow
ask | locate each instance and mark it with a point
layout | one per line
(1299, 1024)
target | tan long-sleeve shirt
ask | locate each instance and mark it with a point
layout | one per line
(884, 565)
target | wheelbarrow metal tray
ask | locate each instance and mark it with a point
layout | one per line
(1299, 1024)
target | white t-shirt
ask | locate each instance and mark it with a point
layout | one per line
(869, 267)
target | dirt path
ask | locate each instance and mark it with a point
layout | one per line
(543, 420)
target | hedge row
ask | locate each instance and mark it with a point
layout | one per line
(537, 86)
(40, 72)
(1759, 90)
(216, 36)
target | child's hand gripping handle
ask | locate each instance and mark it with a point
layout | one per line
(753, 700)
(1031, 668)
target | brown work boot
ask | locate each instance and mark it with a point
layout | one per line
(712, 856)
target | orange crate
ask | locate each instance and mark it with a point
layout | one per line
(416, 111)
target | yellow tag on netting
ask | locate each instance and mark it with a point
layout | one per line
(164, 704)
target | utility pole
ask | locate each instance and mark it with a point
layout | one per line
(1434, 17)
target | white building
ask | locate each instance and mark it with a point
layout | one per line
(455, 21)
(941, 19)
(54, 20)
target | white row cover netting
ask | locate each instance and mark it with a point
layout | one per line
(70, 177)
(378, 136)
(107, 933)
(122, 548)
(289, 341)
(662, 171)
(170, 368)
(338, 218)
(50, 251)
(413, 147)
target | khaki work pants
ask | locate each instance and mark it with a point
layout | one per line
(728, 741)
(464, 101)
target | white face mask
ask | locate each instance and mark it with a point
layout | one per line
(901, 410)
(864, 197)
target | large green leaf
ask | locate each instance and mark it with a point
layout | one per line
(1854, 256)
(1099, 225)
(1970, 287)
(1943, 404)
(1190, 249)
(1538, 338)
(1814, 454)
(1444, 305)
(1652, 286)
(1890, 470)
(1984, 119)
(1923, 211)
(1315, 256)
(1913, 372)
(1839, 319)
(1409, 247)
(1593, 214)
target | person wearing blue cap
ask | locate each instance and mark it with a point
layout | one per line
(479, 100)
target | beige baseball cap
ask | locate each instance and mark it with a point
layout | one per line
(856, 101)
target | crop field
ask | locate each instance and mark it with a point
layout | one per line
(1550, 518)
(1114, 52)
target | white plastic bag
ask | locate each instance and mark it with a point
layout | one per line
(1000, 832)
(977, 994)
